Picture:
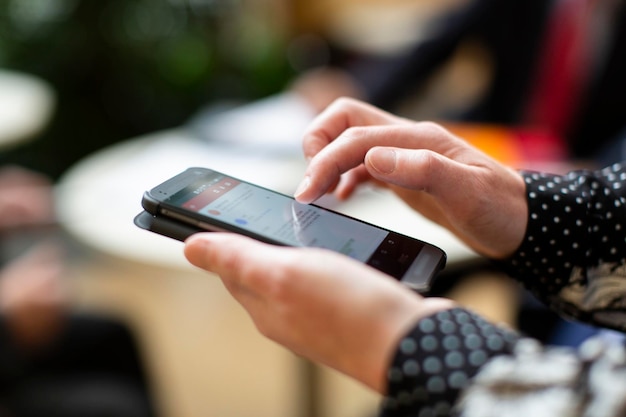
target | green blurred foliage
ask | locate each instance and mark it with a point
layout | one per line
(122, 68)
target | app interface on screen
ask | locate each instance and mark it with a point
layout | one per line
(282, 218)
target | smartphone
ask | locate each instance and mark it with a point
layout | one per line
(201, 199)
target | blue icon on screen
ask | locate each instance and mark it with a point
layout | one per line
(241, 222)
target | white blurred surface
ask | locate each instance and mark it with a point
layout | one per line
(273, 124)
(26, 104)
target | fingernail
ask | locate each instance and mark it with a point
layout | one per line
(383, 160)
(304, 185)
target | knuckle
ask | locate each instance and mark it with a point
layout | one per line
(355, 133)
(424, 164)
(431, 128)
(345, 102)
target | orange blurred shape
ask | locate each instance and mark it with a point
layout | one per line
(512, 145)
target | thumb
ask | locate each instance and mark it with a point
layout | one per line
(417, 169)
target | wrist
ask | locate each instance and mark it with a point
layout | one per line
(512, 219)
(404, 321)
(517, 227)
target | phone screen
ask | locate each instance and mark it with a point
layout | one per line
(278, 217)
(214, 201)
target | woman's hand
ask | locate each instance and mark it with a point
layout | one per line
(435, 172)
(319, 304)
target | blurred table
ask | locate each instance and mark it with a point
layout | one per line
(26, 104)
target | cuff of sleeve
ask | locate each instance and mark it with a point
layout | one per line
(555, 206)
(437, 359)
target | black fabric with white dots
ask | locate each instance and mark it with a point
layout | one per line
(438, 358)
(576, 225)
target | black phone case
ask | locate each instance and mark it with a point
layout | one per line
(164, 226)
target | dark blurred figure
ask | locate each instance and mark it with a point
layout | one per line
(522, 45)
(54, 362)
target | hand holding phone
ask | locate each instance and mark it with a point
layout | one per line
(201, 199)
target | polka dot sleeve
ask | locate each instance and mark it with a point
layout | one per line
(437, 359)
(574, 254)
